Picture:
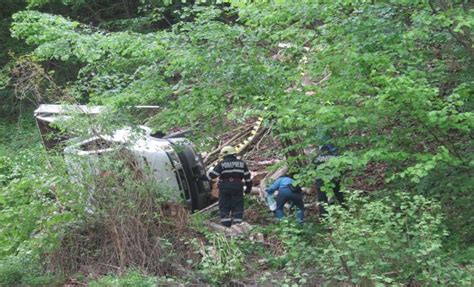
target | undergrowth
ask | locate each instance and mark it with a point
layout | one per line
(128, 225)
(133, 278)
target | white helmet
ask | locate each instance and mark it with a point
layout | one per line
(227, 150)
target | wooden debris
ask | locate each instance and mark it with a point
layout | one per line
(267, 162)
(210, 208)
(242, 141)
(244, 227)
(257, 177)
(234, 230)
(245, 146)
(255, 190)
(216, 227)
(213, 155)
(214, 189)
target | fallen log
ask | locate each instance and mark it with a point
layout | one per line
(234, 230)
(210, 208)
(216, 227)
(266, 162)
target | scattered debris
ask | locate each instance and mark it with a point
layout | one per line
(242, 229)
(210, 208)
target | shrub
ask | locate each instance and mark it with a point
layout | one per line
(292, 252)
(222, 259)
(23, 269)
(393, 240)
(128, 224)
(34, 202)
(132, 279)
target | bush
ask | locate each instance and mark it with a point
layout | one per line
(222, 260)
(131, 279)
(394, 240)
(33, 201)
(116, 217)
(128, 225)
(24, 270)
(296, 252)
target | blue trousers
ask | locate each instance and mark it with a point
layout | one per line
(286, 195)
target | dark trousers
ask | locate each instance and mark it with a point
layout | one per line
(231, 206)
(285, 195)
(323, 198)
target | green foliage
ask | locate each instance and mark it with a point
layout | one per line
(296, 250)
(452, 187)
(20, 135)
(466, 257)
(8, 44)
(138, 75)
(56, 216)
(131, 279)
(388, 241)
(123, 220)
(37, 3)
(143, 15)
(24, 269)
(390, 81)
(32, 202)
(222, 259)
(375, 98)
(197, 220)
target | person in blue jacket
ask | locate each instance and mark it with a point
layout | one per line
(287, 192)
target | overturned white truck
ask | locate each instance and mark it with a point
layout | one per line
(173, 161)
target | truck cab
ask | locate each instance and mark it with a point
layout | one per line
(173, 162)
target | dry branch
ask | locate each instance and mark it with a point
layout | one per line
(257, 136)
(210, 208)
(236, 229)
(210, 158)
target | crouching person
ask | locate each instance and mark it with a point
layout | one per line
(233, 174)
(287, 192)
